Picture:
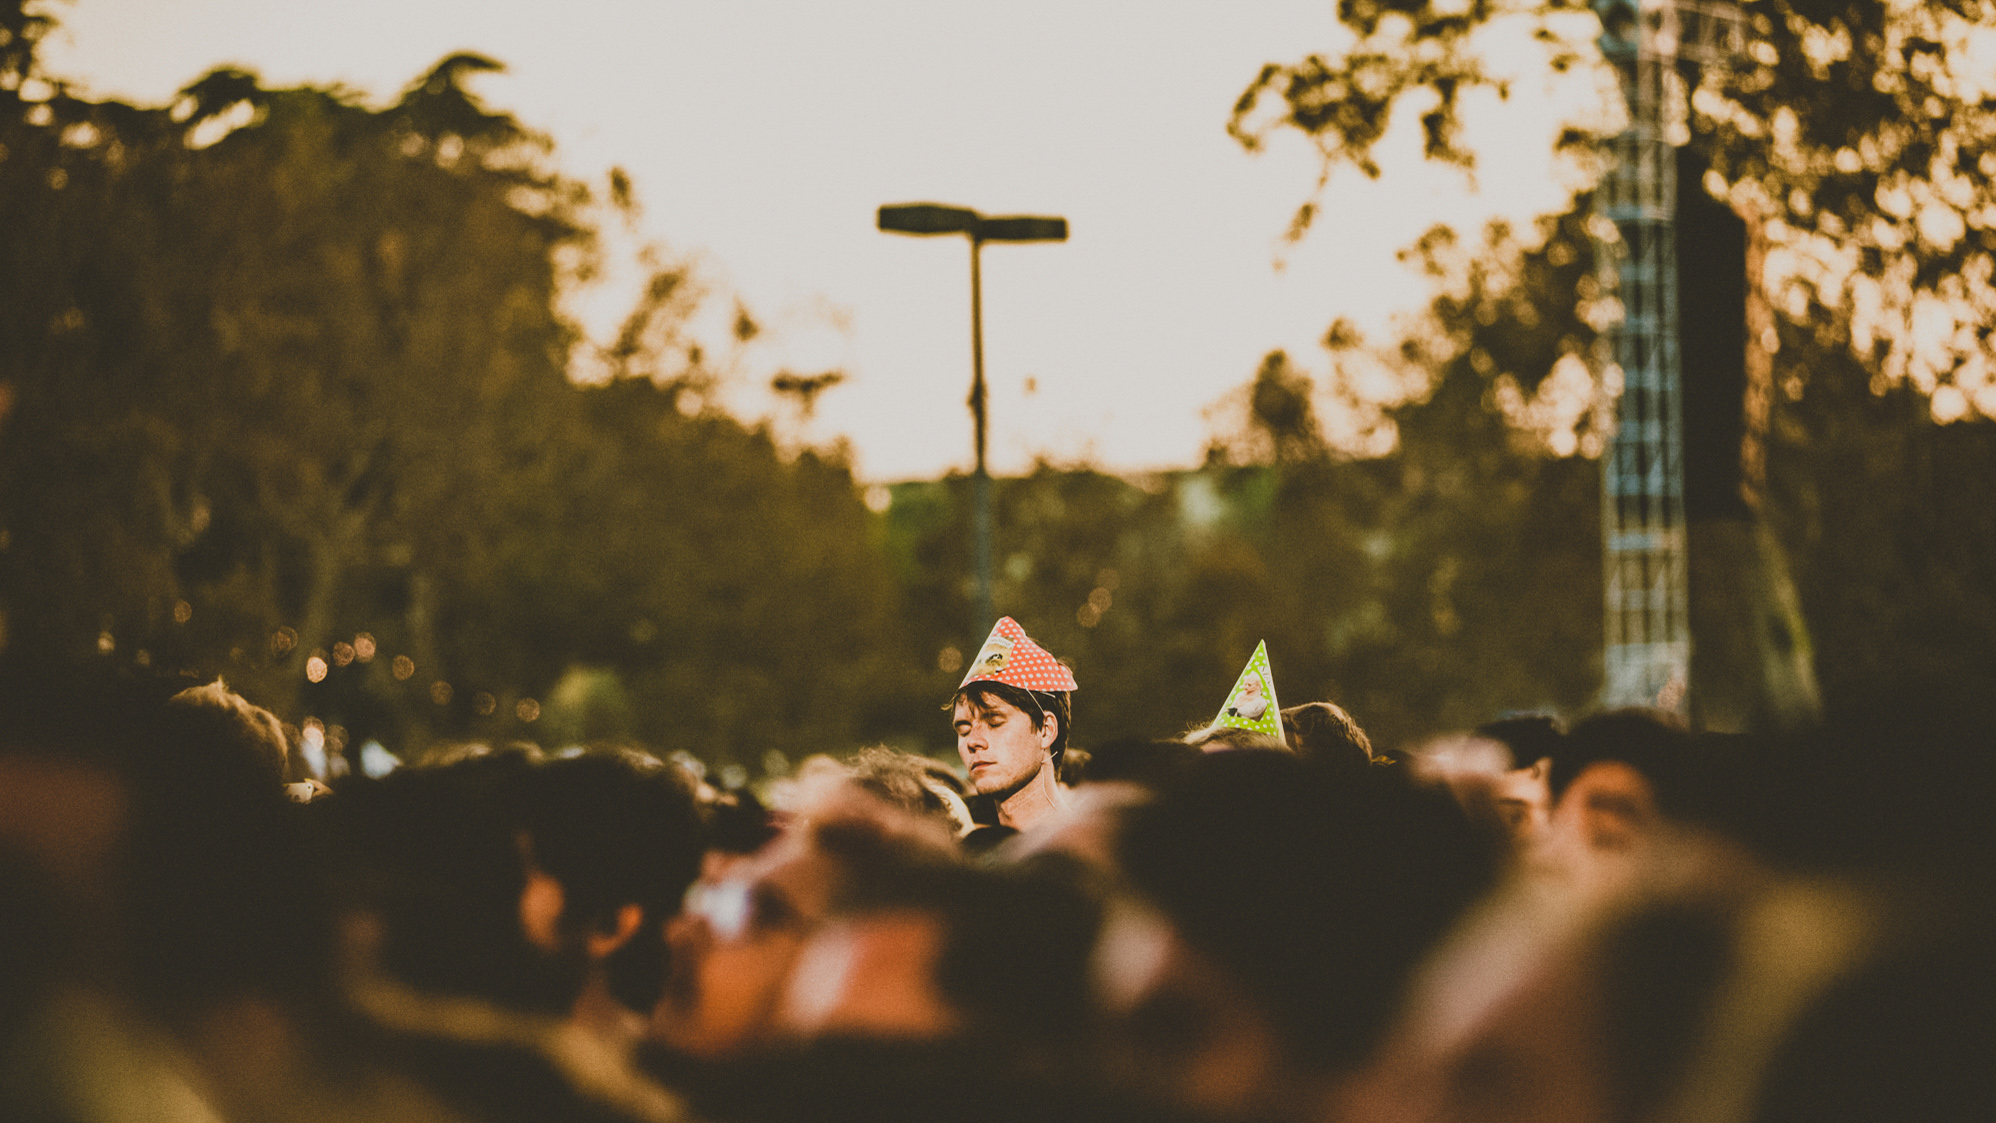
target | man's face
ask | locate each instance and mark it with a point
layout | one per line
(1524, 801)
(872, 975)
(1001, 750)
(733, 948)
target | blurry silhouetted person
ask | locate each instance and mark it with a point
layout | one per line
(1499, 775)
(1283, 908)
(1616, 780)
(1554, 1007)
(617, 838)
(193, 959)
(942, 992)
(734, 825)
(1522, 795)
(935, 950)
(254, 731)
(1881, 956)
(1073, 763)
(1777, 928)
(470, 955)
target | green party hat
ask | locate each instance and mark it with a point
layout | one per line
(1252, 704)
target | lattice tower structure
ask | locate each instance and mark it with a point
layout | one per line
(1656, 47)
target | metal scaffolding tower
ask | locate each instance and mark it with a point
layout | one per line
(1651, 43)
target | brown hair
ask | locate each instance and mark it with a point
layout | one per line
(1035, 704)
(1324, 731)
(251, 729)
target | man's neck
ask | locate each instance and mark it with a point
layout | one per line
(1040, 797)
(603, 1017)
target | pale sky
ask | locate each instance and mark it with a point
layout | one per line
(763, 134)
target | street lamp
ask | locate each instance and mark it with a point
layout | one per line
(932, 218)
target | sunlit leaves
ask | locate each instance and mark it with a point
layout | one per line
(1858, 133)
(1424, 57)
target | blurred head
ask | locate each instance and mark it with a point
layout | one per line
(915, 784)
(158, 899)
(1522, 794)
(1283, 909)
(1563, 1007)
(252, 730)
(618, 834)
(165, 822)
(1522, 803)
(1323, 730)
(998, 957)
(734, 825)
(734, 945)
(438, 865)
(1612, 780)
(1130, 760)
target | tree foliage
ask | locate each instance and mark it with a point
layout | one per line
(289, 400)
(1864, 135)
(1859, 134)
(1855, 138)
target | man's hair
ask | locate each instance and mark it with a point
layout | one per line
(1652, 742)
(211, 883)
(734, 821)
(1325, 731)
(913, 783)
(435, 854)
(616, 827)
(248, 728)
(1035, 704)
(1529, 737)
(1319, 889)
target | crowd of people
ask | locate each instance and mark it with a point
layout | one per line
(1614, 917)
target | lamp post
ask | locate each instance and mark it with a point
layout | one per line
(930, 218)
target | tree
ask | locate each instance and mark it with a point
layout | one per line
(289, 399)
(1861, 135)
(1853, 138)
(305, 339)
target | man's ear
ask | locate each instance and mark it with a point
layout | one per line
(1613, 804)
(1049, 729)
(608, 938)
(541, 904)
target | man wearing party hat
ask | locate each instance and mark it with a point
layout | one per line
(1011, 717)
(1251, 717)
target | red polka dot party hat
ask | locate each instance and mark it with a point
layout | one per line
(1011, 657)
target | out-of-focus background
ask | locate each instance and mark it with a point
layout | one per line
(502, 371)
